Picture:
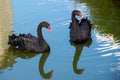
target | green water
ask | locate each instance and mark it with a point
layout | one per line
(97, 59)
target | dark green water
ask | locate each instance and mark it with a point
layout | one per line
(97, 59)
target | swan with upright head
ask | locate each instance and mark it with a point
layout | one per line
(28, 42)
(80, 30)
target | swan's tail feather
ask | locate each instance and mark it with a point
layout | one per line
(12, 39)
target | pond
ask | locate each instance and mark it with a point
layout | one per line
(97, 59)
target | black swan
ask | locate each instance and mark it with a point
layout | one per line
(80, 31)
(28, 42)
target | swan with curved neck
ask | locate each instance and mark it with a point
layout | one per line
(28, 42)
(74, 13)
(80, 30)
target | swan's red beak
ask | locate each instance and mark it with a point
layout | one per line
(80, 14)
(49, 28)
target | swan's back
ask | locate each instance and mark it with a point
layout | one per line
(85, 24)
(26, 42)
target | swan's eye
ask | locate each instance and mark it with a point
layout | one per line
(49, 28)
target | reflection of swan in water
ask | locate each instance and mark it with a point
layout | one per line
(11, 54)
(41, 66)
(21, 54)
(77, 55)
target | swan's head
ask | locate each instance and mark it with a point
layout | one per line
(78, 13)
(46, 25)
(49, 28)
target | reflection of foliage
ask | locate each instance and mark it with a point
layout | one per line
(11, 54)
(77, 55)
(105, 15)
(7, 60)
(41, 66)
(116, 3)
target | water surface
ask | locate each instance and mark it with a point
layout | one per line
(97, 59)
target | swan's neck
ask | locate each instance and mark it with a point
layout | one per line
(41, 39)
(74, 22)
(73, 18)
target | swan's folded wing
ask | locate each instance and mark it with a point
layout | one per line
(24, 42)
(85, 24)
